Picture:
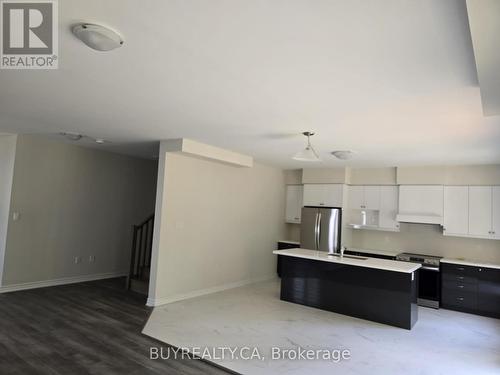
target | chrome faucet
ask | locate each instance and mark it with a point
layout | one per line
(342, 249)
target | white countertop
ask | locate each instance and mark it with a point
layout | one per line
(469, 262)
(382, 264)
(368, 251)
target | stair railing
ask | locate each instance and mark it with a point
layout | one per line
(142, 244)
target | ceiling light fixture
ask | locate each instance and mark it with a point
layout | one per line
(71, 136)
(77, 136)
(343, 154)
(98, 37)
(307, 154)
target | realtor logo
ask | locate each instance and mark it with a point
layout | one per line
(29, 34)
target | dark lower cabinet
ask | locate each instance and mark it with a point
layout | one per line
(488, 292)
(378, 295)
(283, 246)
(469, 289)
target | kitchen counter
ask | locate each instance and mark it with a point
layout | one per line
(381, 264)
(469, 262)
(380, 290)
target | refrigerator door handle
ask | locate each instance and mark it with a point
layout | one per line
(318, 231)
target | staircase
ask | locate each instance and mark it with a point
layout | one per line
(140, 262)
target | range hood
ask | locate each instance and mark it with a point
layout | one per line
(422, 204)
(420, 218)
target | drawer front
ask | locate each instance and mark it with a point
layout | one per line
(453, 285)
(463, 279)
(458, 269)
(466, 300)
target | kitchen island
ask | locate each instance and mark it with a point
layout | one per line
(383, 291)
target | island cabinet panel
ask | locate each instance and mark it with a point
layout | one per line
(474, 290)
(378, 295)
(488, 292)
(281, 246)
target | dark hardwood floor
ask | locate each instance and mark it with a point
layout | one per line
(87, 328)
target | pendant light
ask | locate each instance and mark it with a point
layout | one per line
(307, 154)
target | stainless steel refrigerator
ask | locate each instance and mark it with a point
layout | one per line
(320, 228)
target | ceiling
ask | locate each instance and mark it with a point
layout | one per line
(392, 80)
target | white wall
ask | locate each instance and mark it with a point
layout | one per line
(7, 157)
(73, 201)
(218, 227)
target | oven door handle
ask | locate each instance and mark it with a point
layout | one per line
(430, 268)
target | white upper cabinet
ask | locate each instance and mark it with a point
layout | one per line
(372, 197)
(456, 210)
(356, 196)
(480, 211)
(388, 207)
(379, 204)
(293, 207)
(329, 195)
(364, 197)
(495, 225)
(472, 211)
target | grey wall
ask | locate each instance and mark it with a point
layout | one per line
(73, 201)
(7, 157)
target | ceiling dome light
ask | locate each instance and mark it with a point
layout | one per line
(98, 37)
(307, 154)
(343, 155)
(71, 136)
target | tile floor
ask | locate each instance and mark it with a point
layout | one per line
(442, 341)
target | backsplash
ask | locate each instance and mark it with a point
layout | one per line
(419, 238)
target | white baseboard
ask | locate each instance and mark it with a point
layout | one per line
(153, 302)
(61, 281)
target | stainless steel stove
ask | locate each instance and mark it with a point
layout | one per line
(429, 279)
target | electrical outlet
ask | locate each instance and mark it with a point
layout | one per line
(91, 258)
(77, 260)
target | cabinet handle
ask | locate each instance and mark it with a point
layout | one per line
(480, 269)
(461, 286)
(296, 218)
(460, 268)
(321, 204)
(460, 277)
(460, 298)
